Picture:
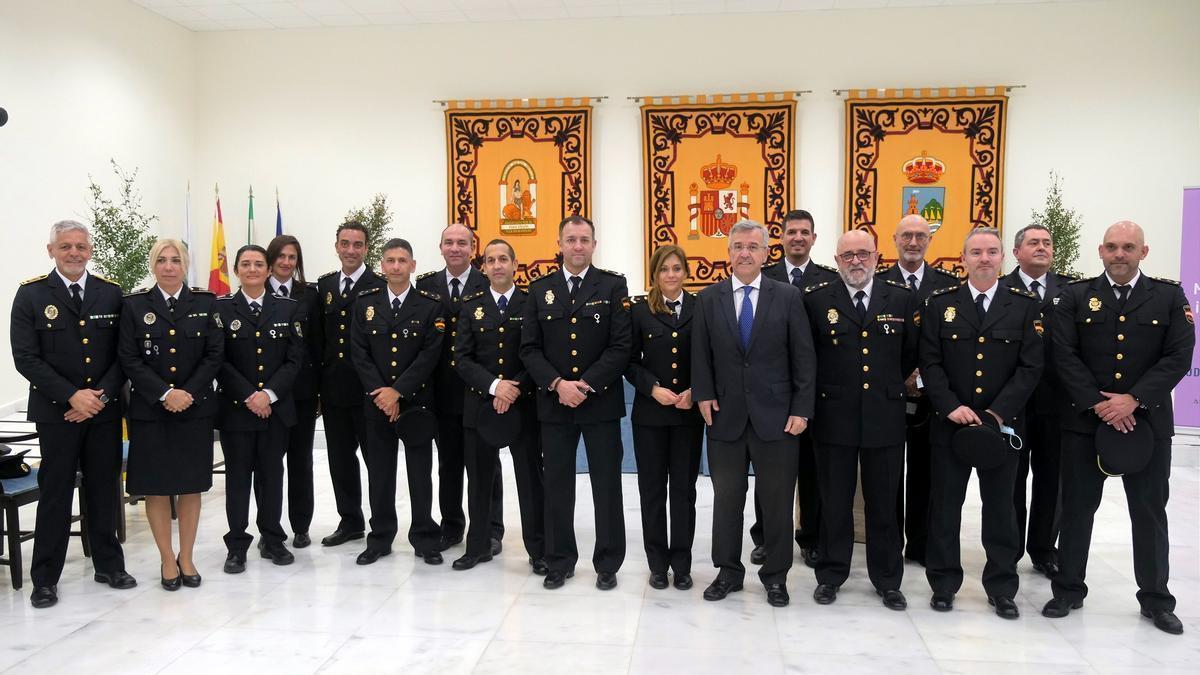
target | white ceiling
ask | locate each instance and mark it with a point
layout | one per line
(215, 15)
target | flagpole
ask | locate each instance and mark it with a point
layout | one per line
(250, 219)
(278, 214)
(187, 234)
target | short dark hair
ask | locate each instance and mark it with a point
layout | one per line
(512, 253)
(275, 249)
(576, 220)
(397, 242)
(1019, 237)
(352, 225)
(248, 248)
(799, 214)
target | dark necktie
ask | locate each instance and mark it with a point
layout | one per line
(798, 278)
(1122, 293)
(502, 303)
(912, 281)
(979, 306)
(283, 291)
(171, 305)
(77, 297)
(674, 305)
(575, 282)
(346, 284)
(395, 305)
(255, 309)
(746, 317)
(1036, 287)
(860, 306)
(454, 289)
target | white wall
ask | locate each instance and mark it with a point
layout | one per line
(83, 82)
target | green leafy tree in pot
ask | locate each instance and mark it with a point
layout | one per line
(1064, 226)
(121, 237)
(376, 218)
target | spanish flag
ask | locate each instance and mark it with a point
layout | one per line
(218, 274)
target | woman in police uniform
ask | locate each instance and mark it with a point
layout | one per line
(170, 346)
(667, 428)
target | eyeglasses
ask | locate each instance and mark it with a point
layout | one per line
(910, 236)
(849, 256)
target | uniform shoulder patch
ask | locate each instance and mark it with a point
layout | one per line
(137, 291)
(771, 266)
(827, 268)
(635, 299)
(227, 296)
(610, 272)
(1080, 280)
(1023, 293)
(202, 291)
(326, 275)
(426, 275)
(897, 284)
(1070, 276)
(369, 291)
(107, 281)
(814, 287)
(542, 279)
(939, 270)
(882, 268)
(941, 291)
(431, 296)
(38, 278)
(1166, 281)
(478, 294)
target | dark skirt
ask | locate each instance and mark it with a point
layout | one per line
(170, 458)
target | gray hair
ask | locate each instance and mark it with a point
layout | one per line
(981, 230)
(1020, 236)
(63, 226)
(749, 226)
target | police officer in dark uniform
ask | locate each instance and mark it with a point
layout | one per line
(453, 282)
(866, 343)
(64, 341)
(263, 351)
(668, 432)
(286, 260)
(341, 390)
(912, 239)
(980, 354)
(488, 358)
(575, 343)
(798, 269)
(1122, 341)
(397, 338)
(1034, 251)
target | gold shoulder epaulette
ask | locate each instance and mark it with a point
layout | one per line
(30, 281)
(327, 274)
(942, 291)
(472, 296)
(1079, 281)
(897, 284)
(542, 278)
(827, 268)
(810, 289)
(615, 274)
(948, 273)
(1166, 281)
(427, 274)
(369, 291)
(1070, 275)
(1022, 292)
(431, 296)
(107, 281)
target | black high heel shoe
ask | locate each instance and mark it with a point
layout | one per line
(170, 584)
(189, 580)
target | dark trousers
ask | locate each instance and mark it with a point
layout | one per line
(300, 466)
(838, 470)
(602, 442)
(451, 445)
(93, 448)
(1146, 492)
(912, 500)
(382, 457)
(668, 460)
(943, 564)
(254, 459)
(345, 433)
(808, 491)
(775, 488)
(1041, 454)
(482, 460)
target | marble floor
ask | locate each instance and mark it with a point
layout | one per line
(326, 614)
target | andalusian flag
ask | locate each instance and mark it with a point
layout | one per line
(250, 219)
(278, 215)
(218, 273)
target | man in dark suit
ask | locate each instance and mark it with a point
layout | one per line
(798, 269)
(1122, 341)
(866, 344)
(452, 283)
(64, 341)
(575, 343)
(912, 238)
(1034, 251)
(981, 354)
(752, 378)
(397, 337)
(341, 390)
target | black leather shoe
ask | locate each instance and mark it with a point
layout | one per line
(1047, 567)
(758, 555)
(942, 602)
(341, 536)
(431, 557)
(1057, 608)
(276, 553)
(468, 561)
(659, 580)
(893, 599)
(1164, 620)
(189, 580)
(235, 563)
(555, 580)
(606, 581)
(720, 588)
(809, 555)
(301, 540)
(497, 546)
(777, 595)
(119, 579)
(370, 555)
(825, 594)
(683, 581)
(1005, 607)
(445, 542)
(43, 597)
(539, 566)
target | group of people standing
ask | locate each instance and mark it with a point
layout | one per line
(819, 379)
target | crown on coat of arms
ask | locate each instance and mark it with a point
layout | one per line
(718, 175)
(924, 169)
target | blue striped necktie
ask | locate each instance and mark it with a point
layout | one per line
(746, 317)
